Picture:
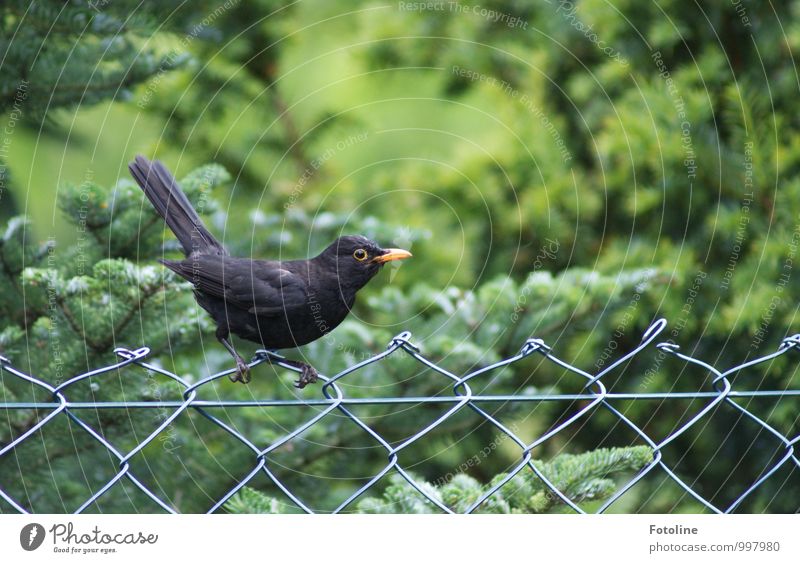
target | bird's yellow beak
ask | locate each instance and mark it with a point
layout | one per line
(392, 254)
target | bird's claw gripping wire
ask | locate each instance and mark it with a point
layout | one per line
(242, 372)
(307, 375)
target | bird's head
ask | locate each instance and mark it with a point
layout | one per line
(357, 259)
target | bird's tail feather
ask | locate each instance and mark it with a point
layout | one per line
(172, 204)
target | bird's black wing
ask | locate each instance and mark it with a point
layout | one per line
(172, 204)
(258, 286)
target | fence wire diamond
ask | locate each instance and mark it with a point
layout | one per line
(595, 396)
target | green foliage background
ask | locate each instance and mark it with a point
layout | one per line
(565, 170)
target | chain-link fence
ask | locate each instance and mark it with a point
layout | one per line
(595, 396)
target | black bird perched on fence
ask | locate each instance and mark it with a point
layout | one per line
(279, 304)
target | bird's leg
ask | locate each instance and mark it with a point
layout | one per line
(307, 373)
(242, 372)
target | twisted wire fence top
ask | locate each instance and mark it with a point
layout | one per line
(594, 396)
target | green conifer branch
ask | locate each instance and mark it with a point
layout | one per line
(590, 476)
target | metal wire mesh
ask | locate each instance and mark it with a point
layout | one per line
(594, 395)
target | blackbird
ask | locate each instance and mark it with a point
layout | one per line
(279, 304)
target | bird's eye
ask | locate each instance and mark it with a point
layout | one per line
(360, 254)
